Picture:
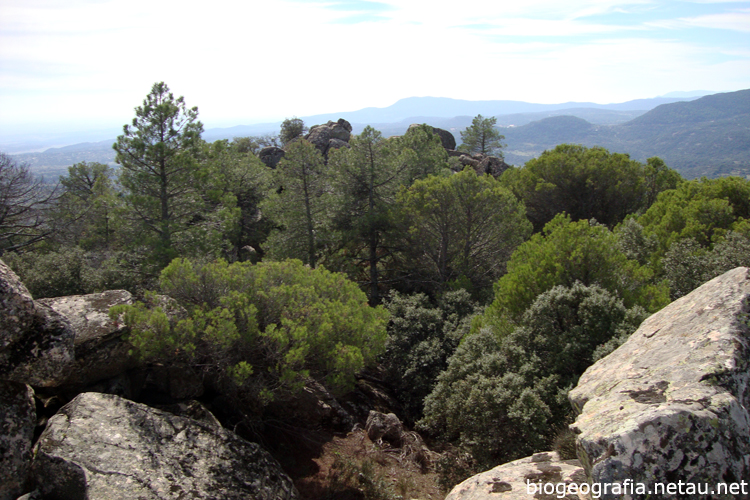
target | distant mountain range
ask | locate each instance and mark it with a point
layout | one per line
(708, 137)
(698, 136)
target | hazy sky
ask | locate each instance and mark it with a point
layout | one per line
(70, 63)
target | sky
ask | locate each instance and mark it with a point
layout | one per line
(67, 64)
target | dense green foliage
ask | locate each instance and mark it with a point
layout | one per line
(421, 338)
(504, 397)
(567, 252)
(365, 180)
(704, 209)
(89, 203)
(614, 237)
(587, 183)
(238, 184)
(160, 173)
(422, 153)
(458, 230)
(291, 129)
(268, 327)
(300, 205)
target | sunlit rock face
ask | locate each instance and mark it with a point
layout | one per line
(525, 479)
(671, 404)
(100, 352)
(101, 446)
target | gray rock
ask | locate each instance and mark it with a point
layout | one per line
(330, 135)
(312, 408)
(100, 351)
(36, 343)
(17, 422)
(17, 305)
(195, 410)
(385, 426)
(509, 481)
(341, 130)
(101, 447)
(492, 165)
(337, 144)
(271, 156)
(671, 404)
(469, 160)
(319, 136)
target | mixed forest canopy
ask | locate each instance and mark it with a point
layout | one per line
(482, 297)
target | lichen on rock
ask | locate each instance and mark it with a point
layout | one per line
(671, 404)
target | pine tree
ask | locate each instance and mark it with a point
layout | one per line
(482, 137)
(299, 208)
(366, 178)
(160, 173)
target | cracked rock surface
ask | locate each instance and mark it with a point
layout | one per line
(671, 404)
(100, 446)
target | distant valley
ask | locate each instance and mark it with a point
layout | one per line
(706, 136)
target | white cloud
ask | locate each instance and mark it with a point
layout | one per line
(242, 62)
(734, 21)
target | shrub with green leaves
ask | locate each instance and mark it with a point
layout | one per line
(564, 253)
(702, 209)
(266, 327)
(73, 271)
(504, 396)
(421, 338)
(687, 264)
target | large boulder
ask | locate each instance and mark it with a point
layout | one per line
(36, 343)
(314, 407)
(384, 426)
(524, 479)
(271, 156)
(482, 163)
(446, 138)
(671, 404)
(100, 446)
(100, 351)
(331, 135)
(492, 165)
(17, 422)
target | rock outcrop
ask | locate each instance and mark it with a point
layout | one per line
(36, 343)
(17, 422)
(671, 404)
(524, 479)
(100, 352)
(271, 156)
(482, 163)
(101, 447)
(331, 135)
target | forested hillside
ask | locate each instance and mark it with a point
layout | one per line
(479, 296)
(707, 137)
